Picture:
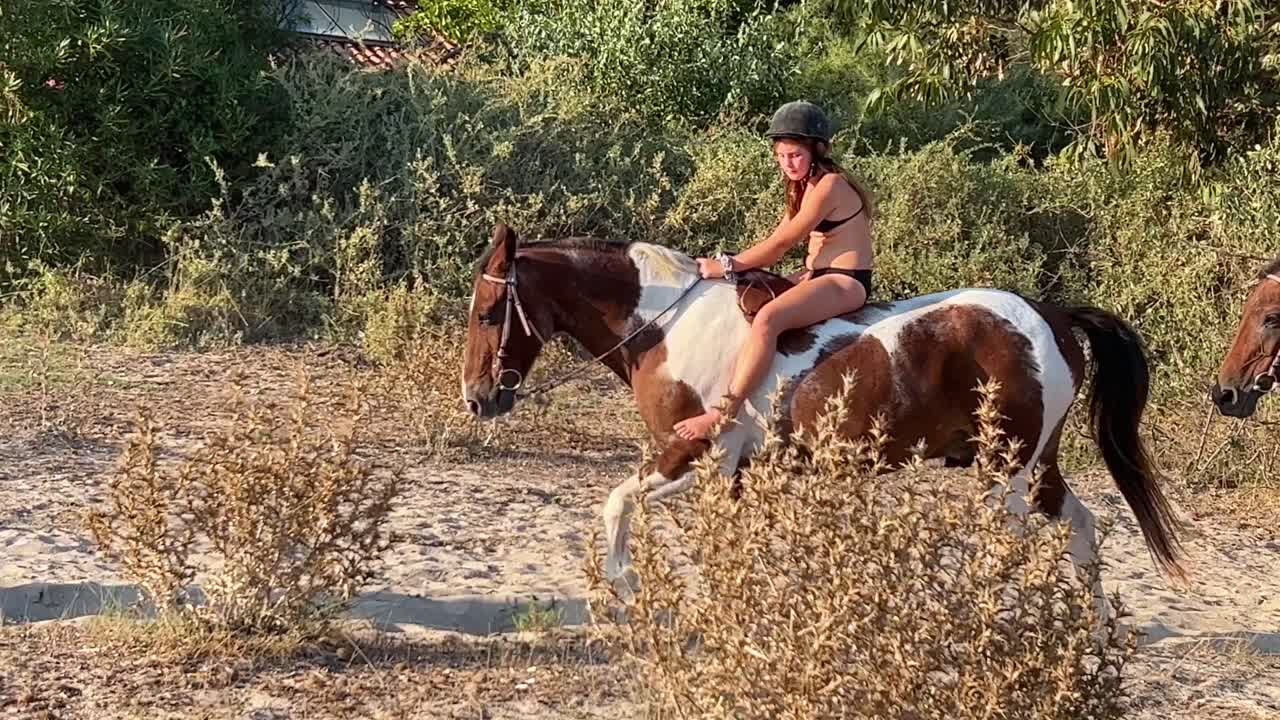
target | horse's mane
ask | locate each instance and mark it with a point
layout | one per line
(1272, 268)
(576, 242)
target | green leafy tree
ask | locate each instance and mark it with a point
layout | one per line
(1207, 72)
(109, 112)
(456, 20)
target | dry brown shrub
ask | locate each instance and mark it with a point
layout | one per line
(421, 388)
(828, 591)
(46, 386)
(287, 520)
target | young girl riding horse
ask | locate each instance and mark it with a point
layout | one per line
(824, 204)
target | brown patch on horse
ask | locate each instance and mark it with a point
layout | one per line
(797, 341)
(806, 400)
(954, 346)
(663, 402)
(599, 289)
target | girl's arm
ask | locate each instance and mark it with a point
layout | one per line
(817, 203)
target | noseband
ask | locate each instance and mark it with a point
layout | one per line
(515, 306)
(1266, 382)
(531, 330)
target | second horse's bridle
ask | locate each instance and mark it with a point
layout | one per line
(1265, 382)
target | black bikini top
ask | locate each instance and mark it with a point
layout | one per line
(826, 226)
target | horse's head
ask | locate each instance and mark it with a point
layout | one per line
(503, 338)
(1249, 370)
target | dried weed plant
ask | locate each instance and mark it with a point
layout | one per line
(51, 383)
(276, 510)
(420, 386)
(829, 590)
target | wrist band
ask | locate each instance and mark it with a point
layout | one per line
(726, 265)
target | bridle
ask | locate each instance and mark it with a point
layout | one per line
(1265, 382)
(516, 307)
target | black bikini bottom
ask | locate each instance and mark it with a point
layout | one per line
(862, 275)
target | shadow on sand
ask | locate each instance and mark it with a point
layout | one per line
(469, 614)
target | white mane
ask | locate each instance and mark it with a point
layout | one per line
(659, 265)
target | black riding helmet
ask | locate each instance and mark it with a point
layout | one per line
(800, 119)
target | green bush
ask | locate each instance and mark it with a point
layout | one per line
(1168, 258)
(1000, 114)
(109, 111)
(947, 221)
(457, 20)
(684, 60)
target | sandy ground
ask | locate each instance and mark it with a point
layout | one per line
(482, 538)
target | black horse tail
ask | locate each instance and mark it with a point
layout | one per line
(1117, 399)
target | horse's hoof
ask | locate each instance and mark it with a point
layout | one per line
(626, 584)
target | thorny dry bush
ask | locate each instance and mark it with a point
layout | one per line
(422, 388)
(828, 591)
(277, 510)
(47, 385)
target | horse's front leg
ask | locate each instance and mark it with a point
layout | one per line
(670, 474)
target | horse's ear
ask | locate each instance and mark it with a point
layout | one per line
(504, 249)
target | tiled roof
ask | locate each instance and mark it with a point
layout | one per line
(367, 54)
(371, 53)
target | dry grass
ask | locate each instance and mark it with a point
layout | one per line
(292, 521)
(174, 667)
(1216, 452)
(52, 380)
(827, 590)
(114, 669)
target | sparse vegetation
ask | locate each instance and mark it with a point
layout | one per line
(229, 195)
(278, 513)
(827, 590)
(537, 617)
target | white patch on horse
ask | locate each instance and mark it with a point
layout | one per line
(703, 332)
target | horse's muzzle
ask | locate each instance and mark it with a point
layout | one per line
(1234, 402)
(498, 401)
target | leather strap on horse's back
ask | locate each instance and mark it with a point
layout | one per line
(756, 288)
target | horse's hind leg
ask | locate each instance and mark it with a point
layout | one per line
(1052, 496)
(1056, 500)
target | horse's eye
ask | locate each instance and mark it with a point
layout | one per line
(1272, 321)
(492, 318)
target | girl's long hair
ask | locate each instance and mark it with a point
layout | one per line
(821, 165)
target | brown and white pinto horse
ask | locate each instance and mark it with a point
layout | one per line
(1249, 370)
(645, 313)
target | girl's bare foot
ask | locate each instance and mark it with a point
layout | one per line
(698, 426)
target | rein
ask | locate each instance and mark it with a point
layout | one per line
(1265, 382)
(531, 330)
